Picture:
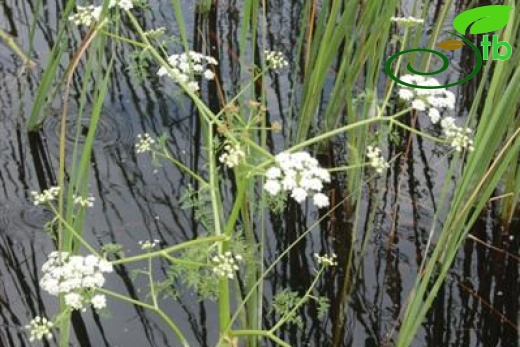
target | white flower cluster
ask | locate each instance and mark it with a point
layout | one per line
(300, 174)
(430, 100)
(148, 244)
(407, 21)
(84, 202)
(76, 277)
(327, 260)
(376, 159)
(276, 60)
(86, 15)
(232, 155)
(46, 196)
(144, 143)
(185, 66)
(226, 264)
(39, 328)
(123, 4)
(457, 136)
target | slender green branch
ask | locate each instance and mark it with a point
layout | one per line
(175, 248)
(11, 43)
(174, 161)
(417, 132)
(263, 333)
(152, 308)
(125, 39)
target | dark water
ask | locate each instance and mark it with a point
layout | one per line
(478, 305)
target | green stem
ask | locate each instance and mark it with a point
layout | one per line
(124, 39)
(223, 298)
(164, 252)
(263, 333)
(346, 168)
(417, 132)
(193, 174)
(16, 49)
(396, 71)
(155, 309)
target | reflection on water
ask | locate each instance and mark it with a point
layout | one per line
(478, 305)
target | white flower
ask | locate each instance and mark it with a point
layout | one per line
(289, 183)
(193, 86)
(105, 266)
(320, 200)
(273, 173)
(276, 60)
(326, 260)
(98, 301)
(448, 123)
(405, 94)
(75, 276)
(74, 300)
(149, 244)
(186, 66)
(457, 136)
(46, 196)
(209, 75)
(376, 159)
(299, 194)
(434, 115)
(144, 143)
(418, 105)
(226, 264)
(39, 328)
(123, 4)
(428, 100)
(232, 155)
(272, 187)
(300, 175)
(86, 15)
(84, 202)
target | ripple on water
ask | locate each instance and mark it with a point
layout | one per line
(114, 129)
(22, 221)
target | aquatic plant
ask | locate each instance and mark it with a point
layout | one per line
(227, 264)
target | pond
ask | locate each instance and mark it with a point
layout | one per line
(380, 240)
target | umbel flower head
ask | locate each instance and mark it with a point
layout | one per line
(184, 67)
(46, 196)
(426, 100)
(145, 143)
(276, 60)
(122, 4)
(301, 175)
(86, 15)
(226, 264)
(39, 328)
(376, 159)
(457, 136)
(327, 260)
(232, 156)
(76, 277)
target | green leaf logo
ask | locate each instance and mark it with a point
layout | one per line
(484, 19)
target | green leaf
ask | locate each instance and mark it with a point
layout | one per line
(485, 19)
